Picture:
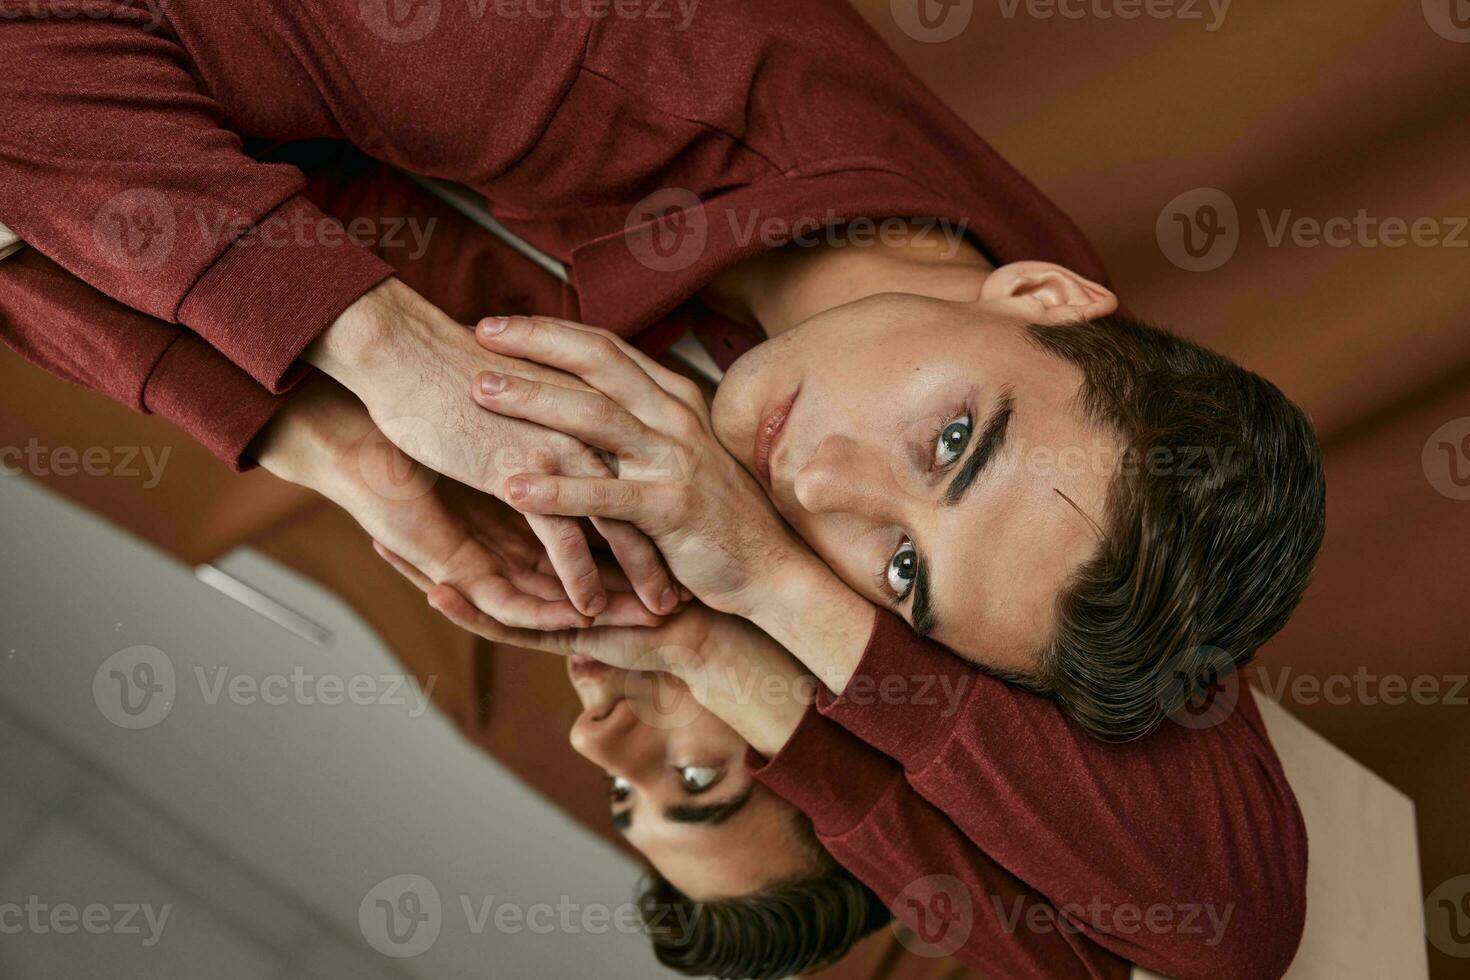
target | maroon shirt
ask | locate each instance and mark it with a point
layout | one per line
(120, 160)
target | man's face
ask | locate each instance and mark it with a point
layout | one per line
(679, 789)
(923, 458)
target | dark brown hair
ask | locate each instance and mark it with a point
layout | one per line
(792, 927)
(1210, 530)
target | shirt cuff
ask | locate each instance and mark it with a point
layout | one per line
(827, 774)
(278, 287)
(220, 406)
(906, 694)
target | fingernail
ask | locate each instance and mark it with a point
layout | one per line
(668, 599)
(494, 325)
(596, 604)
(492, 383)
(517, 487)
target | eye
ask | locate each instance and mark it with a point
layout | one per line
(950, 445)
(902, 568)
(697, 779)
(619, 789)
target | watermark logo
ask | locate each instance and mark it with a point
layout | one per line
(388, 458)
(932, 21)
(401, 916)
(1199, 230)
(135, 230)
(401, 21)
(936, 913)
(1447, 917)
(1450, 19)
(667, 230)
(1446, 459)
(135, 688)
(1199, 687)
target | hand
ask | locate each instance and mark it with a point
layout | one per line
(433, 529)
(729, 666)
(675, 481)
(409, 364)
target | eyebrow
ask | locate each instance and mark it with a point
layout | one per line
(712, 814)
(986, 448)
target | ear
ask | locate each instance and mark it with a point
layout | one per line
(1042, 292)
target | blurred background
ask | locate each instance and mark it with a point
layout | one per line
(1284, 182)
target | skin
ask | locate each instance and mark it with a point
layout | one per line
(645, 730)
(858, 474)
(896, 394)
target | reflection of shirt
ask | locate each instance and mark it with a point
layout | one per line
(594, 138)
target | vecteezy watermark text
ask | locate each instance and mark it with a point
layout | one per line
(128, 462)
(41, 918)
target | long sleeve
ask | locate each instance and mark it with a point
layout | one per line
(62, 325)
(115, 165)
(939, 884)
(1184, 852)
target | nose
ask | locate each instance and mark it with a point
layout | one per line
(600, 733)
(848, 477)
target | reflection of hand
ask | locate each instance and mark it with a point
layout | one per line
(410, 365)
(675, 481)
(445, 532)
(733, 669)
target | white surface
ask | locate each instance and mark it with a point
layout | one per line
(263, 826)
(10, 242)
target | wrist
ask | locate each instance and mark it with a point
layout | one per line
(810, 611)
(366, 339)
(308, 439)
(748, 681)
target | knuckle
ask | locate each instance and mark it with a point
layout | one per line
(685, 423)
(597, 410)
(686, 390)
(601, 350)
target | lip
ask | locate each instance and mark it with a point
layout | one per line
(773, 423)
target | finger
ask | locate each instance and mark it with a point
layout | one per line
(669, 380)
(641, 562)
(408, 571)
(589, 416)
(503, 602)
(624, 500)
(461, 612)
(626, 609)
(571, 559)
(594, 357)
(527, 569)
(501, 598)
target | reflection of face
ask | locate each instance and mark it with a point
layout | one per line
(680, 791)
(914, 462)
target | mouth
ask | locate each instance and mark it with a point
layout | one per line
(771, 427)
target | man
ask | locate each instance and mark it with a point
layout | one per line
(855, 137)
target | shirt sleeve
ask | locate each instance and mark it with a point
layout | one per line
(949, 893)
(1184, 852)
(62, 325)
(130, 182)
